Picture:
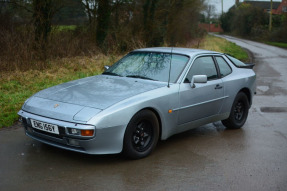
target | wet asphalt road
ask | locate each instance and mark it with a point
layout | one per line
(206, 158)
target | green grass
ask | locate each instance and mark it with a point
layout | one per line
(224, 46)
(278, 44)
(60, 28)
(17, 86)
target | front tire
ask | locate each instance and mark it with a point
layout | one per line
(239, 112)
(141, 135)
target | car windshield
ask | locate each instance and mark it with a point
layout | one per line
(150, 66)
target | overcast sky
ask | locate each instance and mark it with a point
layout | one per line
(227, 4)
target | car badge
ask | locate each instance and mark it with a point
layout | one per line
(56, 105)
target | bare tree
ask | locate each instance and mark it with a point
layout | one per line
(91, 10)
(210, 11)
(42, 13)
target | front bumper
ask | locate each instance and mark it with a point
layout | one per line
(108, 140)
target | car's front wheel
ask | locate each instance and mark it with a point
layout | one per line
(239, 112)
(141, 135)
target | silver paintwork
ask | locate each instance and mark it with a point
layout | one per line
(199, 79)
(107, 104)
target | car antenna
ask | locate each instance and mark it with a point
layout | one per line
(169, 68)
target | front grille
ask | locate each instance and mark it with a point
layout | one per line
(61, 132)
(62, 144)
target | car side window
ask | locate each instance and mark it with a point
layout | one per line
(202, 66)
(223, 66)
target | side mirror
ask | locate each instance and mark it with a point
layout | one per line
(106, 67)
(198, 79)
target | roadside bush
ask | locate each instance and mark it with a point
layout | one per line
(246, 18)
(226, 20)
(259, 32)
(252, 22)
(279, 33)
(19, 51)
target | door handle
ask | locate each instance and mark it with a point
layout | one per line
(218, 87)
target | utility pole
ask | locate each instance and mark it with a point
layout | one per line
(270, 16)
(222, 7)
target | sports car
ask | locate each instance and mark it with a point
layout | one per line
(148, 95)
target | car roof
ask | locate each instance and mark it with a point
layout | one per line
(186, 51)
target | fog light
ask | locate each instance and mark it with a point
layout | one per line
(87, 133)
(73, 142)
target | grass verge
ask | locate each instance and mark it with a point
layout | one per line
(16, 87)
(278, 44)
(224, 46)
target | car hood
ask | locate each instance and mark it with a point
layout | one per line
(78, 99)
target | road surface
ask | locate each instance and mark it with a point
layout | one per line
(206, 158)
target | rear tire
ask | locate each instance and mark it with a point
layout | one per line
(239, 112)
(141, 135)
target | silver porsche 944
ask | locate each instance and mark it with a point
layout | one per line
(148, 95)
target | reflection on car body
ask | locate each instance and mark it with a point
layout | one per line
(149, 94)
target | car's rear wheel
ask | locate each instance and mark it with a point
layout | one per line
(239, 112)
(141, 135)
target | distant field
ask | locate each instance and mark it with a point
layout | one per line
(17, 86)
(64, 27)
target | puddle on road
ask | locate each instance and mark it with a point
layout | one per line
(263, 88)
(273, 109)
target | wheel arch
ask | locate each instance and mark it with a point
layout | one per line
(247, 92)
(158, 119)
(129, 150)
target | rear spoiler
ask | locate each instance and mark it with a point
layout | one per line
(247, 65)
(241, 65)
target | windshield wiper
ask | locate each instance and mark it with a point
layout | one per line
(111, 73)
(141, 77)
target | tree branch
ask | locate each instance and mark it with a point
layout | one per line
(18, 5)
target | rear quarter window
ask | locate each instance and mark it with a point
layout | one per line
(236, 62)
(223, 66)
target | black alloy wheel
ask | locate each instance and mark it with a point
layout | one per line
(239, 112)
(141, 135)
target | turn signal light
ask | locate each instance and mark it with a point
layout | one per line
(87, 132)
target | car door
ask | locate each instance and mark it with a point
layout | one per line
(205, 99)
